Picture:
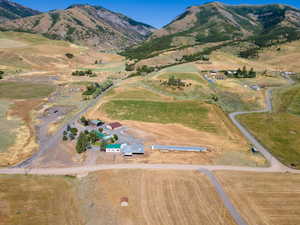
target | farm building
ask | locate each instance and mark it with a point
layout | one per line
(177, 148)
(112, 148)
(96, 123)
(103, 136)
(129, 150)
(113, 126)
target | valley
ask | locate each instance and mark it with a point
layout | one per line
(194, 123)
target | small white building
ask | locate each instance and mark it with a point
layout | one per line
(113, 148)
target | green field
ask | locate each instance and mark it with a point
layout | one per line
(182, 76)
(7, 136)
(20, 90)
(183, 68)
(137, 94)
(188, 113)
(36, 200)
(279, 131)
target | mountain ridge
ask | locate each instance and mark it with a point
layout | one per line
(85, 24)
(11, 10)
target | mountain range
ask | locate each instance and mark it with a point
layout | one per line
(214, 22)
(88, 25)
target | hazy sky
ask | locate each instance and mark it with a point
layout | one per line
(154, 12)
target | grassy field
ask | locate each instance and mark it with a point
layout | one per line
(184, 68)
(264, 199)
(36, 200)
(7, 136)
(189, 113)
(282, 134)
(19, 90)
(135, 93)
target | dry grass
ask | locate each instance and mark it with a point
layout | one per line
(24, 143)
(30, 200)
(155, 197)
(264, 199)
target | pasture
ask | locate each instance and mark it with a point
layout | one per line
(282, 134)
(21, 90)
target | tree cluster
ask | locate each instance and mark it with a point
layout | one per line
(81, 73)
(70, 133)
(174, 82)
(244, 73)
(1, 74)
(97, 89)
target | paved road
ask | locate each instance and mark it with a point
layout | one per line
(228, 204)
(274, 162)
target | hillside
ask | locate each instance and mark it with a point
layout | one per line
(260, 25)
(10, 10)
(85, 24)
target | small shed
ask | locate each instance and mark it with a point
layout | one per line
(113, 126)
(124, 202)
(113, 148)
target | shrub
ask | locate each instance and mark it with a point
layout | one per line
(69, 55)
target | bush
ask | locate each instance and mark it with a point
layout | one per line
(69, 55)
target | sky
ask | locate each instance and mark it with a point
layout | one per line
(154, 12)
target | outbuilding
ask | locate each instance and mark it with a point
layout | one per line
(113, 148)
(96, 123)
(113, 126)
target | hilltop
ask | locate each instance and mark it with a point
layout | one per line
(89, 25)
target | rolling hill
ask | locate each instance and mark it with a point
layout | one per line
(89, 25)
(10, 10)
(259, 25)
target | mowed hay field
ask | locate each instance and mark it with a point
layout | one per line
(283, 126)
(264, 199)
(38, 200)
(154, 197)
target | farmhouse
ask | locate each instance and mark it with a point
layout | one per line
(112, 148)
(113, 126)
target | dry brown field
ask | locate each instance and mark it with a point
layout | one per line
(154, 197)
(36, 200)
(264, 199)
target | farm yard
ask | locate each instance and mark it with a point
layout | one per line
(264, 199)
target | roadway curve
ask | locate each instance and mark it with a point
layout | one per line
(275, 164)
